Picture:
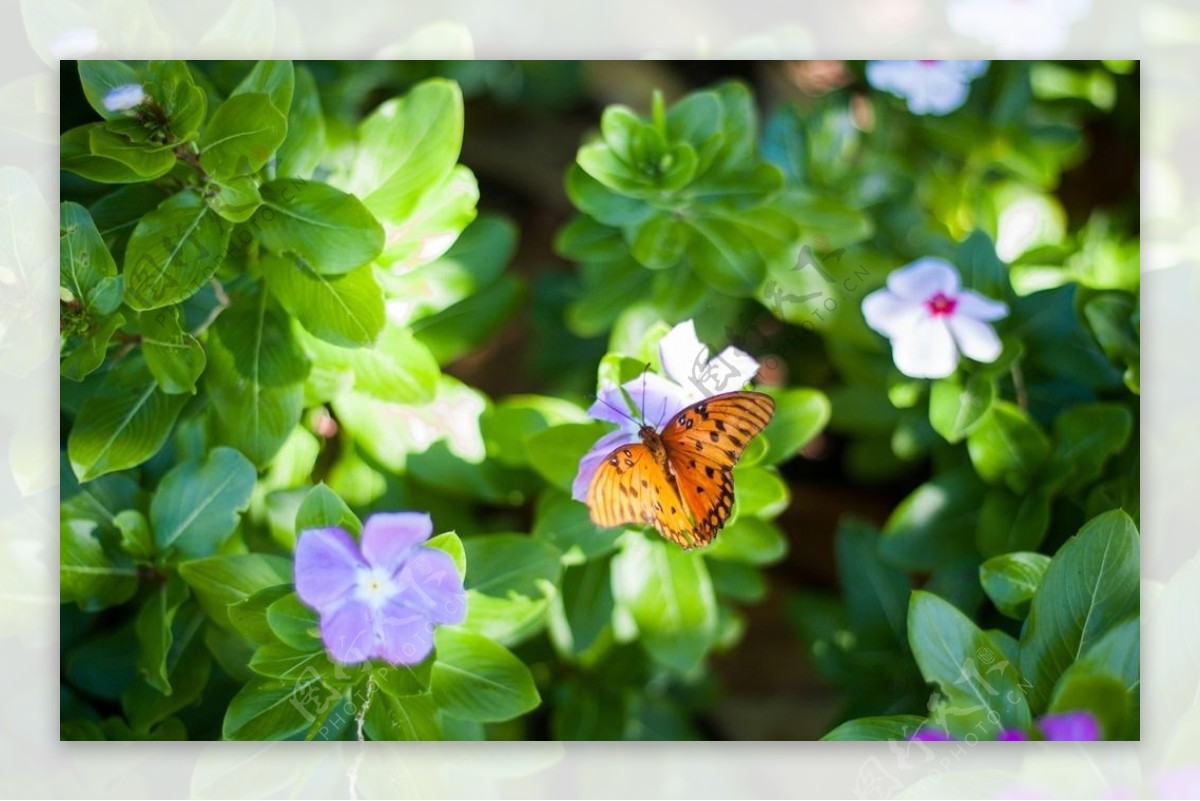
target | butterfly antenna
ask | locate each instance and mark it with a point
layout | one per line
(621, 412)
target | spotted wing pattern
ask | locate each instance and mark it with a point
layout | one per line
(703, 443)
(630, 487)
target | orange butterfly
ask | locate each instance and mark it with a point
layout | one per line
(680, 480)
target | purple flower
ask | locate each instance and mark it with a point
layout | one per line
(929, 87)
(385, 600)
(124, 97)
(930, 736)
(691, 376)
(1012, 735)
(1071, 726)
(930, 319)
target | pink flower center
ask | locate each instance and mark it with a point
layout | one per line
(941, 305)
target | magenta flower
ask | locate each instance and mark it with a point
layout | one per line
(1070, 726)
(931, 319)
(384, 600)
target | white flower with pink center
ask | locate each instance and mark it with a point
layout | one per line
(931, 319)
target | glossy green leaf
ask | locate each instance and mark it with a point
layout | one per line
(136, 538)
(926, 529)
(267, 709)
(564, 523)
(750, 540)
(800, 414)
(154, 634)
(98, 78)
(1011, 580)
(1010, 522)
(87, 574)
(174, 357)
(174, 89)
(876, 593)
(88, 354)
(123, 424)
(584, 605)
(669, 595)
(198, 504)
(241, 135)
(555, 452)
(897, 728)
(85, 267)
(235, 199)
(275, 79)
(476, 679)
(504, 565)
(330, 231)
(294, 623)
(981, 694)
(173, 251)
(301, 151)
(956, 407)
(249, 615)
(1085, 437)
(322, 508)
(1090, 585)
(1007, 446)
(398, 368)
(345, 310)
(219, 581)
(413, 717)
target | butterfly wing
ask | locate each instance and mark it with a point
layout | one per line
(630, 487)
(703, 443)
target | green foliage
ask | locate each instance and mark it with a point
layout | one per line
(278, 296)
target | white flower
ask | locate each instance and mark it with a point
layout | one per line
(75, 43)
(930, 319)
(1017, 27)
(691, 376)
(123, 98)
(930, 87)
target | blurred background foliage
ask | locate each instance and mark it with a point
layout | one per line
(1031, 190)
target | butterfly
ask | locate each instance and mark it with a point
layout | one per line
(680, 480)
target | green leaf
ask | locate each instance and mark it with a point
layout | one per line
(345, 310)
(219, 581)
(173, 251)
(507, 565)
(294, 623)
(85, 267)
(733, 250)
(1091, 583)
(926, 529)
(398, 368)
(1085, 437)
(509, 621)
(443, 211)
(235, 199)
(584, 605)
(275, 79)
(555, 452)
(564, 523)
(413, 717)
(301, 151)
(1009, 522)
(956, 407)
(452, 546)
(131, 146)
(279, 661)
(1097, 692)
(322, 508)
(241, 136)
(899, 728)
(760, 492)
(1007, 446)
(800, 414)
(174, 357)
(330, 231)
(75, 155)
(467, 325)
(198, 504)
(123, 424)
(136, 538)
(749, 540)
(876, 593)
(267, 709)
(172, 87)
(188, 667)
(154, 631)
(514, 419)
(400, 681)
(89, 354)
(1118, 655)
(255, 375)
(87, 575)
(476, 679)
(981, 269)
(98, 78)
(982, 695)
(249, 615)
(1011, 580)
(669, 595)
(407, 145)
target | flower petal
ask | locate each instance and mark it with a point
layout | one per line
(890, 314)
(404, 636)
(729, 371)
(327, 561)
(348, 632)
(931, 736)
(610, 406)
(926, 351)
(1074, 726)
(592, 459)
(388, 538)
(1011, 735)
(656, 398)
(683, 355)
(924, 278)
(977, 340)
(429, 583)
(939, 91)
(981, 307)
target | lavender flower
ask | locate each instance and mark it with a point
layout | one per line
(929, 87)
(123, 98)
(383, 600)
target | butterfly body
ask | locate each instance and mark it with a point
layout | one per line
(680, 479)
